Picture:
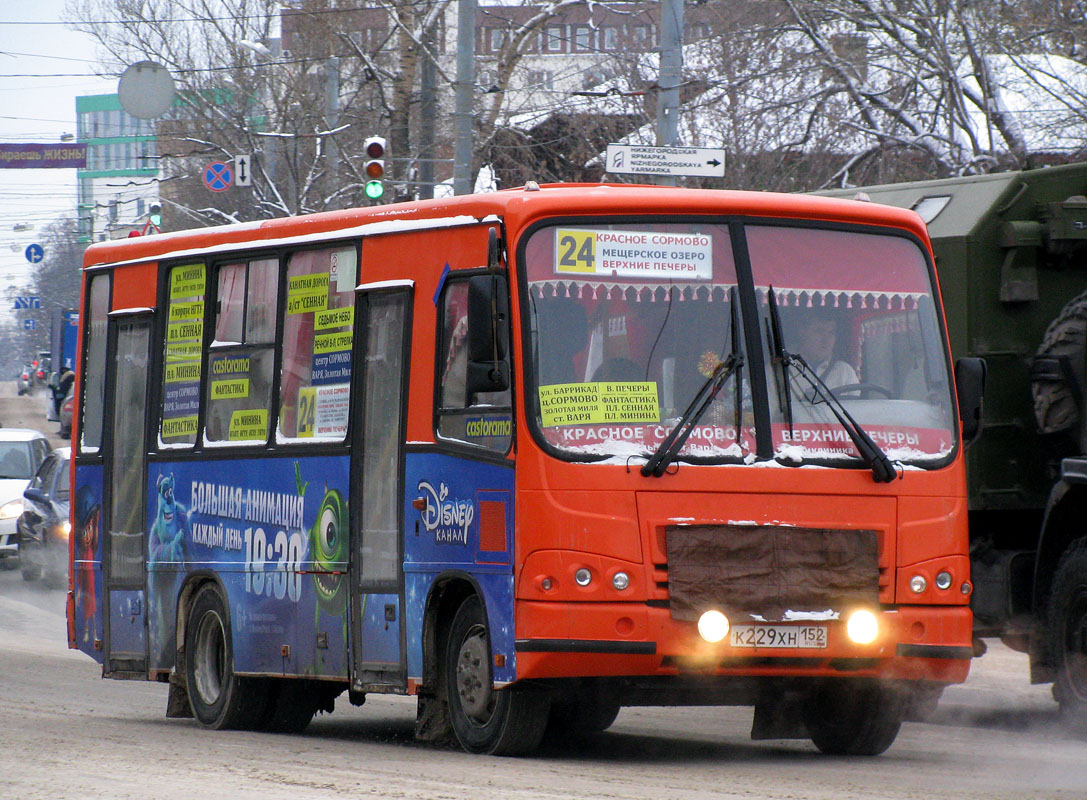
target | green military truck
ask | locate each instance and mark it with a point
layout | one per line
(1011, 253)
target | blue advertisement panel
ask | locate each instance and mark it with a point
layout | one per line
(275, 533)
(465, 523)
(87, 562)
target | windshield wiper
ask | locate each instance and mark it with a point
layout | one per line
(883, 471)
(666, 453)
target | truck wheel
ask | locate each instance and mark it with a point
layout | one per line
(218, 698)
(1055, 402)
(853, 718)
(508, 722)
(1067, 630)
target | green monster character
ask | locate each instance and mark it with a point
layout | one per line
(328, 549)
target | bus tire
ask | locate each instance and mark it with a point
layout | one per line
(508, 722)
(854, 718)
(584, 712)
(1067, 633)
(218, 698)
(292, 706)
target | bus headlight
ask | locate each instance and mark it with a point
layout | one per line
(713, 626)
(918, 584)
(862, 627)
(620, 580)
(943, 580)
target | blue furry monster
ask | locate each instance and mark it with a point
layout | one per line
(166, 565)
(170, 526)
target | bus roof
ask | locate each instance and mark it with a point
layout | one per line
(517, 207)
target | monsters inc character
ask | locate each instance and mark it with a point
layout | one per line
(87, 513)
(166, 557)
(328, 549)
(170, 526)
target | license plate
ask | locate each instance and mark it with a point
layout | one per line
(778, 636)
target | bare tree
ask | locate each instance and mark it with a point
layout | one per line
(931, 79)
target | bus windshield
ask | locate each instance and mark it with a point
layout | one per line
(628, 321)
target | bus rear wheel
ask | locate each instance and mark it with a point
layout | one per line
(508, 722)
(853, 718)
(218, 698)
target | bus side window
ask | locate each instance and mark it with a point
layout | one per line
(182, 358)
(318, 333)
(485, 419)
(240, 363)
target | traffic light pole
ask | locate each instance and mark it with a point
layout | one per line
(466, 78)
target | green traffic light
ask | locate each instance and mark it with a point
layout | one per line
(374, 189)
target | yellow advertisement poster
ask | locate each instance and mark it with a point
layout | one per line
(248, 425)
(306, 293)
(598, 403)
(333, 318)
(187, 282)
(232, 389)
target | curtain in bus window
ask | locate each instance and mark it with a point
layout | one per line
(94, 369)
(318, 333)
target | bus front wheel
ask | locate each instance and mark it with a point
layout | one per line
(218, 698)
(854, 718)
(507, 722)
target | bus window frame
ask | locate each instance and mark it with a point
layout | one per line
(80, 453)
(757, 347)
(212, 261)
(212, 303)
(461, 446)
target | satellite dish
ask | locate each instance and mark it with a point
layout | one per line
(146, 90)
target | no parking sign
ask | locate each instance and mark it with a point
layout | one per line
(218, 176)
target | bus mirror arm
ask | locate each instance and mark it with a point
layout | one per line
(970, 391)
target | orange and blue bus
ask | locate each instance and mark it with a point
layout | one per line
(529, 456)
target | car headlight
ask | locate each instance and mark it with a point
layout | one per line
(11, 509)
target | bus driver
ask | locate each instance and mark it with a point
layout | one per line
(816, 343)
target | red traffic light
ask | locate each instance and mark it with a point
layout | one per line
(374, 147)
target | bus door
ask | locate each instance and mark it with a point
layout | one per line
(377, 488)
(125, 485)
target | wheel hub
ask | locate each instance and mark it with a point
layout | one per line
(474, 676)
(210, 659)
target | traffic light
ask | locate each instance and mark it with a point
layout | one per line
(374, 169)
(156, 215)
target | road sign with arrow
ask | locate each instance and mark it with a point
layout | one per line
(242, 175)
(629, 159)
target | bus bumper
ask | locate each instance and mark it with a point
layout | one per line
(570, 640)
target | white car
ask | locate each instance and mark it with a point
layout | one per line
(21, 453)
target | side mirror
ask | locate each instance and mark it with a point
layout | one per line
(35, 495)
(970, 389)
(488, 334)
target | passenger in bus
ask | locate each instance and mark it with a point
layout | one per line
(816, 343)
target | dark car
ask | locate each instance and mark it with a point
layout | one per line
(43, 526)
